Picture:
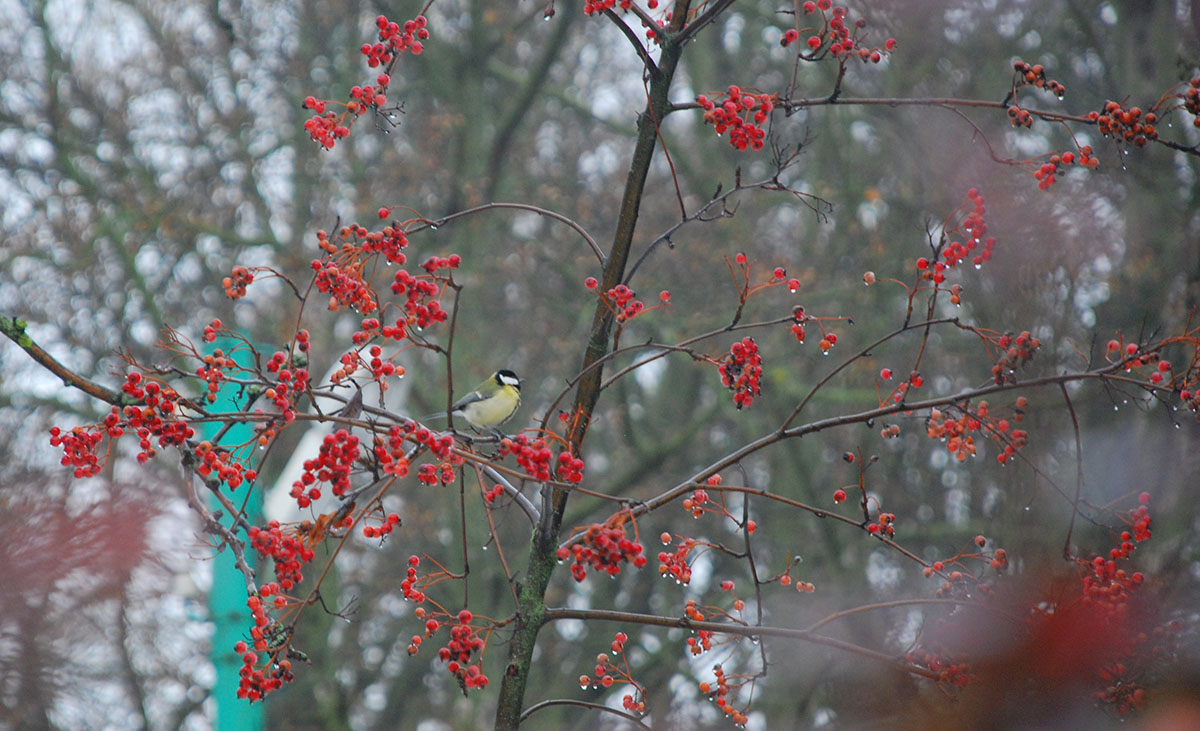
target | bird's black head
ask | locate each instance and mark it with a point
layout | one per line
(508, 378)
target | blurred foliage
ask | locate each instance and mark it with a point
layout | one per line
(146, 148)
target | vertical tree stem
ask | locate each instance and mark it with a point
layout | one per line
(542, 556)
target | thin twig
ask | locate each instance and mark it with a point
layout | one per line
(582, 704)
(555, 614)
(1067, 554)
(591, 242)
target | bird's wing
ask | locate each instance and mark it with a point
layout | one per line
(468, 399)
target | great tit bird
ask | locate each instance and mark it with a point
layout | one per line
(492, 403)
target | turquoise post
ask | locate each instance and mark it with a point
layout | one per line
(227, 597)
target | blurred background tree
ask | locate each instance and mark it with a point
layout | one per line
(145, 148)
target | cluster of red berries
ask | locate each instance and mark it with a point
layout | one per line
(221, 464)
(884, 525)
(1014, 352)
(386, 526)
(951, 673)
(1129, 351)
(382, 369)
(389, 241)
(235, 285)
(695, 504)
(1122, 693)
(1163, 374)
(699, 503)
(975, 245)
(390, 452)
(603, 548)
(333, 463)
(340, 274)
(570, 467)
(79, 449)
(720, 696)
(997, 560)
(959, 585)
(738, 604)
(392, 458)
(326, 126)
(443, 471)
(798, 319)
(421, 306)
(278, 360)
(354, 240)
(212, 369)
(700, 641)
(288, 552)
(676, 564)
(465, 644)
(1191, 100)
(594, 7)
(898, 392)
(779, 274)
(804, 587)
(836, 35)
(368, 328)
(154, 418)
(1019, 117)
(370, 95)
(1106, 588)
(740, 114)
(346, 287)
(1104, 583)
(292, 383)
(1189, 389)
(434, 264)
(1139, 523)
(492, 494)
(533, 456)
(741, 371)
(395, 39)
(1125, 125)
(1047, 172)
(1108, 592)
(256, 683)
(958, 433)
(608, 674)
(211, 330)
(413, 585)
(1035, 75)
(623, 302)
(440, 446)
